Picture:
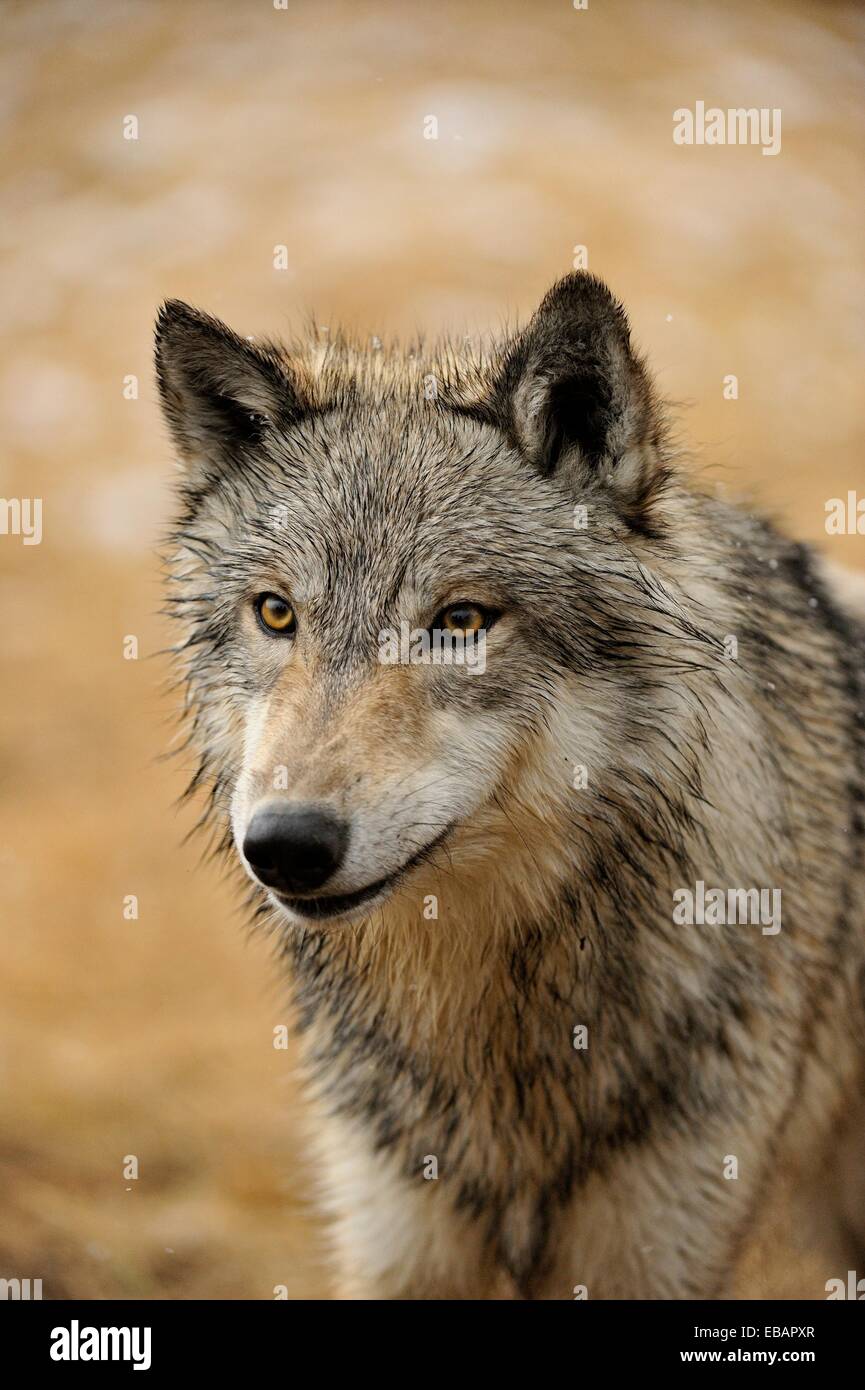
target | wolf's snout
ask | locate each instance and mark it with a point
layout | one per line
(295, 849)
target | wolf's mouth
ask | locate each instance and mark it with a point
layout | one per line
(320, 907)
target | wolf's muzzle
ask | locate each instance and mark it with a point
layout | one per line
(295, 849)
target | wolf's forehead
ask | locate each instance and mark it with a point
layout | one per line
(380, 549)
(382, 506)
(388, 479)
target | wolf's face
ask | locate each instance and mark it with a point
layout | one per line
(392, 573)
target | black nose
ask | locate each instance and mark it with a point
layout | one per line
(295, 849)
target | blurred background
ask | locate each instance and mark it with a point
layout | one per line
(303, 128)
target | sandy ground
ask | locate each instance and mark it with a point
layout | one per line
(304, 129)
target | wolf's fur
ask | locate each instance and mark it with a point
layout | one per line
(374, 486)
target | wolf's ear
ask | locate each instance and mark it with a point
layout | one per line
(219, 392)
(574, 397)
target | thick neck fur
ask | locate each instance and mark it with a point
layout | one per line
(454, 1036)
(675, 701)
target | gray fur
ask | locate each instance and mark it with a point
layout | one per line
(326, 471)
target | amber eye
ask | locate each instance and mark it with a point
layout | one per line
(463, 617)
(275, 614)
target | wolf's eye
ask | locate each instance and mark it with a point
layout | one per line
(275, 614)
(463, 617)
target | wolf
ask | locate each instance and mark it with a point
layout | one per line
(527, 1080)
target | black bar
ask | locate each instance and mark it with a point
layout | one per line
(300, 1339)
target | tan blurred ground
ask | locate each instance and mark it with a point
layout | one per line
(304, 128)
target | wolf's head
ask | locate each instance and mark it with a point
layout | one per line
(341, 505)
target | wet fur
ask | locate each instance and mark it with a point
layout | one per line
(452, 1037)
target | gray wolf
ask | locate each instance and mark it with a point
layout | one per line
(530, 1080)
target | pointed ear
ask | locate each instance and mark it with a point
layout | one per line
(576, 400)
(219, 392)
